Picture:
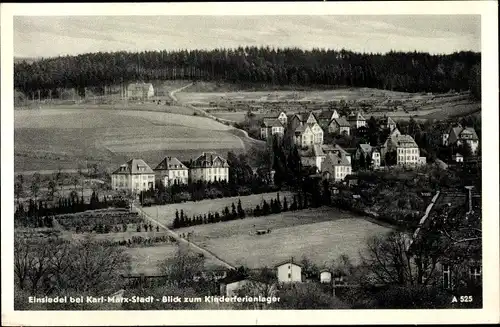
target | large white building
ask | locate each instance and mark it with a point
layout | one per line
(171, 171)
(407, 151)
(134, 176)
(209, 167)
(336, 166)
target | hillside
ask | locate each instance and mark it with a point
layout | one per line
(395, 71)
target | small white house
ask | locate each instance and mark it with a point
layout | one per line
(289, 272)
(231, 285)
(458, 157)
(325, 276)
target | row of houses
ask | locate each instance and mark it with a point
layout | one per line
(136, 175)
(308, 128)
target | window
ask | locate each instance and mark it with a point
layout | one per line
(446, 276)
(289, 275)
(475, 273)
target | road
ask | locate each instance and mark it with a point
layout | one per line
(203, 113)
(181, 240)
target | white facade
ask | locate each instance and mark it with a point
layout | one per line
(325, 277)
(134, 183)
(283, 118)
(289, 273)
(134, 176)
(171, 177)
(341, 172)
(407, 156)
(376, 159)
(211, 174)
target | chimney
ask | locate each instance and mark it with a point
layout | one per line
(469, 196)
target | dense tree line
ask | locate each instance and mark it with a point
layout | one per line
(38, 213)
(399, 71)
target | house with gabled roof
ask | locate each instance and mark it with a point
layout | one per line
(307, 135)
(289, 271)
(356, 120)
(336, 166)
(140, 90)
(171, 171)
(135, 175)
(337, 149)
(209, 167)
(283, 118)
(340, 126)
(312, 156)
(270, 127)
(366, 150)
(325, 117)
(387, 123)
(459, 136)
(407, 151)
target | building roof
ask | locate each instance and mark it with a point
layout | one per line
(300, 116)
(355, 116)
(335, 159)
(341, 122)
(287, 262)
(271, 122)
(404, 141)
(334, 148)
(133, 167)
(326, 115)
(313, 115)
(366, 148)
(387, 121)
(312, 151)
(170, 163)
(301, 129)
(140, 85)
(209, 159)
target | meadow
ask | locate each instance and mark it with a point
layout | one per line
(64, 138)
(321, 235)
(166, 213)
(233, 104)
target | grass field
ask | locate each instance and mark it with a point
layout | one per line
(321, 235)
(166, 213)
(63, 138)
(421, 105)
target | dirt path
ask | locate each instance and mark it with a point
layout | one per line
(181, 240)
(242, 134)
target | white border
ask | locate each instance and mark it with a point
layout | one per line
(489, 49)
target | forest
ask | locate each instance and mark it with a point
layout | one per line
(397, 71)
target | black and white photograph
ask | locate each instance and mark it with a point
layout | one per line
(328, 161)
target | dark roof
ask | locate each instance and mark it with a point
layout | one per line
(170, 163)
(312, 151)
(271, 122)
(208, 160)
(325, 115)
(132, 167)
(341, 121)
(288, 261)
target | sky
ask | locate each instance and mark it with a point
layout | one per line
(45, 36)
